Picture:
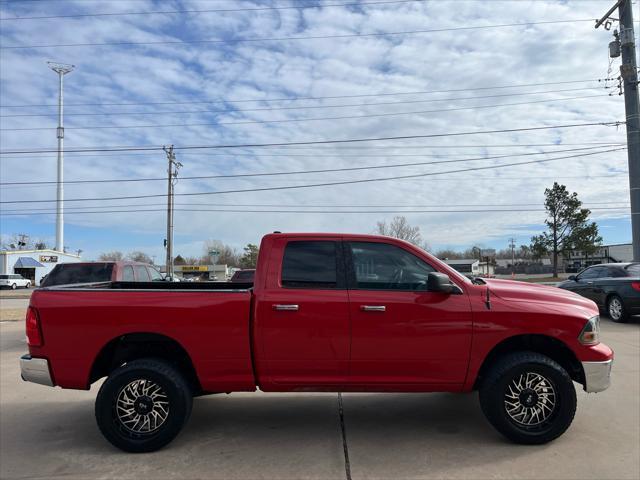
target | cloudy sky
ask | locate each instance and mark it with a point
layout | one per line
(222, 73)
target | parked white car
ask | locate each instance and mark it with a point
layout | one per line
(14, 281)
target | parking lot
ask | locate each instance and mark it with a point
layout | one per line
(51, 433)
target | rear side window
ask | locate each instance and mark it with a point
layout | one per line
(633, 270)
(142, 274)
(127, 274)
(156, 276)
(310, 264)
(4, 277)
(68, 273)
(245, 276)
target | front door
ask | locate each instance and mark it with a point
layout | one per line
(302, 317)
(403, 334)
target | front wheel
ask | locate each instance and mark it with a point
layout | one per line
(616, 311)
(529, 398)
(28, 285)
(13, 286)
(143, 405)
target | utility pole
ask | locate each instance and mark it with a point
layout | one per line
(512, 244)
(61, 69)
(172, 176)
(624, 45)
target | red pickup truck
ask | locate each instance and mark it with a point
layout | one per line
(327, 312)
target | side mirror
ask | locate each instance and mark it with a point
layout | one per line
(573, 277)
(440, 282)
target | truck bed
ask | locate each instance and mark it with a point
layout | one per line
(210, 320)
(173, 286)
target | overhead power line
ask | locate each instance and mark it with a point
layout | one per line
(300, 206)
(323, 184)
(215, 10)
(305, 107)
(307, 212)
(301, 172)
(312, 119)
(279, 39)
(297, 98)
(315, 142)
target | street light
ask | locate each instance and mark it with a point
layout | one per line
(61, 69)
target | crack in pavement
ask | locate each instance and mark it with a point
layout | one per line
(345, 446)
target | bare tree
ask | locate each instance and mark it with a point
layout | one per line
(227, 255)
(400, 228)
(113, 256)
(139, 256)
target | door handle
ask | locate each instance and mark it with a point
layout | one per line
(373, 308)
(286, 308)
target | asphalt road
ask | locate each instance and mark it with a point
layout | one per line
(50, 433)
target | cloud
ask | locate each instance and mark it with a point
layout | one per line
(461, 60)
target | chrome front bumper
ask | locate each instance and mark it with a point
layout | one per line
(35, 370)
(597, 376)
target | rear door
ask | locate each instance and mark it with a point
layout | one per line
(301, 319)
(402, 334)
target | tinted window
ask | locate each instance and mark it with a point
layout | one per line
(310, 265)
(141, 273)
(380, 266)
(127, 274)
(245, 276)
(633, 270)
(617, 272)
(68, 273)
(4, 277)
(156, 276)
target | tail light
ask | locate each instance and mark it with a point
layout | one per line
(34, 332)
(636, 286)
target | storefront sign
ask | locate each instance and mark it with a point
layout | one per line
(49, 258)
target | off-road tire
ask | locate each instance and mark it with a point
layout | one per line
(623, 317)
(495, 388)
(175, 390)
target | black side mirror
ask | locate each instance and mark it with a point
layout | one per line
(573, 277)
(440, 282)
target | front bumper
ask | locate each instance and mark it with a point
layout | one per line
(597, 376)
(35, 370)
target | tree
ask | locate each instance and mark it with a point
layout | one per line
(40, 244)
(138, 256)
(566, 224)
(250, 257)
(587, 240)
(400, 228)
(179, 260)
(113, 256)
(448, 254)
(228, 255)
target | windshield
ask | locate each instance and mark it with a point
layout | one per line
(68, 273)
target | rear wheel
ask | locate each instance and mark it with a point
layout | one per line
(143, 405)
(13, 286)
(529, 398)
(616, 310)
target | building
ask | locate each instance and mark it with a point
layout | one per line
(33, 264)
(576, 260)
(470, 266)
(219, 273)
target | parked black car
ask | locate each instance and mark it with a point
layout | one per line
(615, 287)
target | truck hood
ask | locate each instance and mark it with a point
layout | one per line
(514, 291)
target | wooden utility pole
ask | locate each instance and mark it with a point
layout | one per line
(624, 45)
(172, 175)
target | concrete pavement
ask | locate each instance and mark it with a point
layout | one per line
(51, 433)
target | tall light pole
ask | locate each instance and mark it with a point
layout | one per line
(61, 69)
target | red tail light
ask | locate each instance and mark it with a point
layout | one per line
(636, 285)
(34, 333)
